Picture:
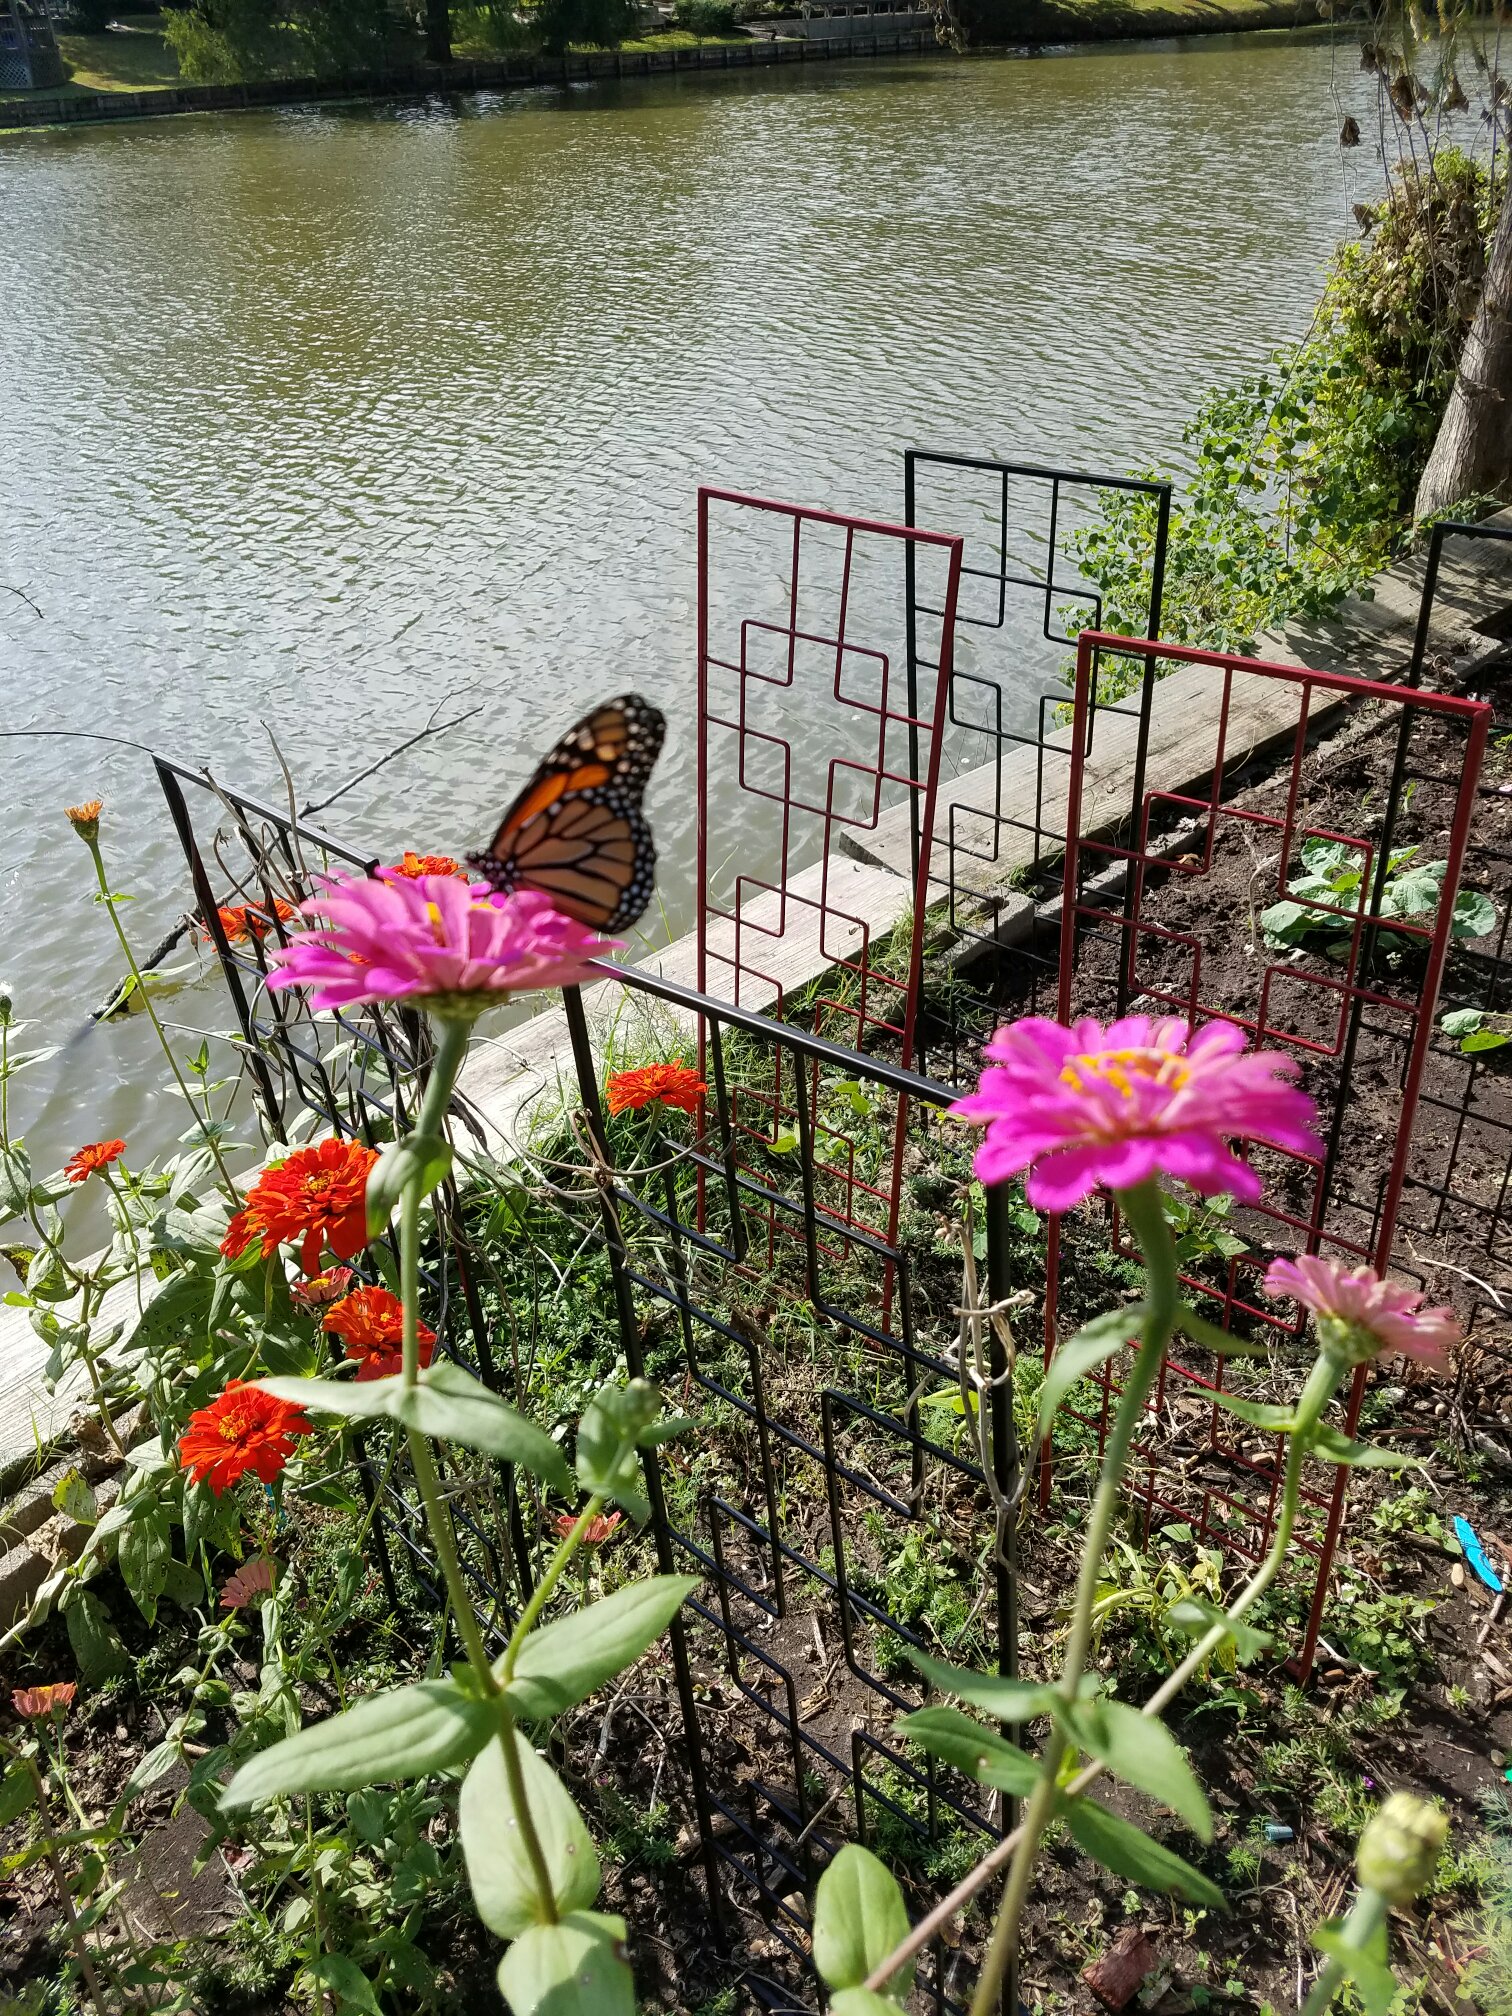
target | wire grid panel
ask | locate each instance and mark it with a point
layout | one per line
(362, 1073)
(1000, 816)
(1171, 924)
(809, 748)
(838, 1487)
(1458, 1183)
(812, 755)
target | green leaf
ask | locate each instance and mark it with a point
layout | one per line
(1485, 1039)
(183, 1585)
(145, 1551)
(425, 1159)
(1008, 1700)
(577, 1968)
(1143, 1752)
(1366, 1962)
(1083, 1353)
(16, 1180)
(18, 1790)
(859, 1919)
(1335, 1447)
(179, 1310)
(609, 1441)
(354, 1401)
(97, 1649)
(1415, 891)
(1128, 1851)
(564, 1662)
(862, 2002)
(451, 1404)
(73, 1497)
(498, 1868)
(343, 1978)
(145, 1773)
(433, 1726)
(1195, 1617)
(1209, 1335)
(1259, 1413)
(1462, 1021)
(1287, 923)
(446, 1402)
(981, 1753)
(1472, 916)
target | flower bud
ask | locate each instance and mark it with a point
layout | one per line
(7, 1003)
(85, 819)
(1399, 1849)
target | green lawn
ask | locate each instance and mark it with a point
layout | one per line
(133, 58)
(680, 38)
(1090, 20)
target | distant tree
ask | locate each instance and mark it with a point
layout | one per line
(234, 41)
(1423, 66)
(602, 24)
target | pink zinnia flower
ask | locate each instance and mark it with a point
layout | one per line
(428, 939)
(254, 1578)
(1086, 1105)
(1358, 1315)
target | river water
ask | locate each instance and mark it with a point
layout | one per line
(313, 419)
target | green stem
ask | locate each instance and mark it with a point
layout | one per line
(547, 1583)
(152, 1015)
(438, 1519)
(1321, 1384)
(1316, 1394)
(451, 1048)
(1363, 1923)
(1145, 1212)
(64, 1894)
(509, 1740)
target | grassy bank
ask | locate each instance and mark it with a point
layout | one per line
(133, 55)
(1012, 22)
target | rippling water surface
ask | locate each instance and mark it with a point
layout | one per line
(312, 419)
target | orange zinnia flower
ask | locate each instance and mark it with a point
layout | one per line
(597, 1531)
(413, 865)
(36, 1703)
(85, 818)
(245, 1429)
(370, 1322)
(241, 922)
(322, 1289)
(95, 1155)
(673, 1084)
(315, 1196)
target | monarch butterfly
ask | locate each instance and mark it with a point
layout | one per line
(577, 832)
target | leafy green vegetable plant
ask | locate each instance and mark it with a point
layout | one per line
(1330, 896)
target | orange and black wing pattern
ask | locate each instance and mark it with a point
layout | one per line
(577, 832)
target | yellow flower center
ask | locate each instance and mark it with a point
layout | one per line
(1119, 1068)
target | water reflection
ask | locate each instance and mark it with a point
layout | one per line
(321, 419)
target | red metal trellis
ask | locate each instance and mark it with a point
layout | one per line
(1359, 1011)
(808, 736)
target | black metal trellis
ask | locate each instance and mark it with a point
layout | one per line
(1003, 818)
(362, 1074)
(839, 1461)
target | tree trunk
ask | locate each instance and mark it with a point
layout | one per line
(1472, 455)
(438, 47)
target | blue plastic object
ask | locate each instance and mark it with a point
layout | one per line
(1475, 1554)
(1276, 1834)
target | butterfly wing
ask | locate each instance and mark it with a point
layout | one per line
(577, 832)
